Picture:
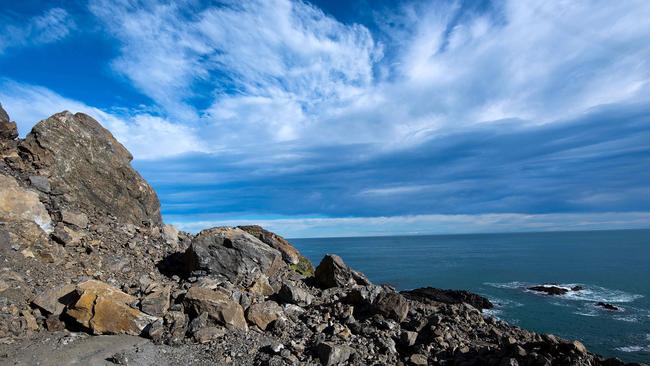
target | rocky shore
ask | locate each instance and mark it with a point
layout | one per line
(90, 275)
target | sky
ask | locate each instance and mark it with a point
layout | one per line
(358, 117)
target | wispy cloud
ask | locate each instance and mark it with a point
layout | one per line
(51, 26)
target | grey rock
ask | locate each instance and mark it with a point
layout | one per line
(40, 182)
(391, 305)
(333, 272)
(295, 295)
(233, 254)
(217, 304)
(333, 354)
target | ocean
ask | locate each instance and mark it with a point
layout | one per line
(612, 266)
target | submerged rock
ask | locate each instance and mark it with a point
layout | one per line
(608, 306)
(430, 294)
(554, 290)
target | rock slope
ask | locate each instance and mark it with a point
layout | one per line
(89, 274)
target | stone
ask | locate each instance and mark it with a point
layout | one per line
(30, 320)
(90, 168)
(170, 234)
(608, 306)
(217, 304)
(157, 302)
(207, 334)
(579, 347)
(105, 310)
(333, 354)
(54, 300)
(295, 295)
(53, 323)
(418, 359)
(65, 235)
(40, 182)
(408, 338)
(553, 290)
(289, 253)
(233, 254)
(261, 286)
(77, 219)
(20, 204)
(333, 272)
(264, 313)
(391, 305)
(430, 295)
(8, 129)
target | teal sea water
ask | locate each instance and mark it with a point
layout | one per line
(613, 266)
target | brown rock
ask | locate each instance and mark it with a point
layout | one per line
(418, 359)
(264, 313)
(55, 300)
(157, 302)
(261, 286)
(8, 129)
(19, 204)
(77, 219)
(207, 334)
(105, 310)
(217, 304)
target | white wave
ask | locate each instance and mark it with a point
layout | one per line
(633, 348)
(589, 313)
(507, 285)
(627, 318)
(590, 293)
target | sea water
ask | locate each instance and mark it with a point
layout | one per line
(612, 266)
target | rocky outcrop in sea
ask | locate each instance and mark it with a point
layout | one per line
(90, 274)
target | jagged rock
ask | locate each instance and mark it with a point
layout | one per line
(8, 129)
(608, 306)
(554, 290)
(261, 286)
(333, 272)
(105, 310)
(418, 359)
(55, 300)
(90, 168)
(217, 304)
(77, 219)
(264, 313)
(295, 295)
(19, 204)
(157, 302)
(392, 305)
(430, 294)
(207, 334)
(289, 253)
(333, 354)
(231, 253)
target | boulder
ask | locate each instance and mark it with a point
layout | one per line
(233, 254)
(392, 305)
(333, 354)
(428, 295)
(90, 168)
(54, 301)
(20, 204)
(157, 302)
(264, 313)
(261, 286)
(219, 306)
(295, 295)
(106, 310)
(289, 253)
(333, 272)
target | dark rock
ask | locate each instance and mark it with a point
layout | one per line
(294, 295)
(8, 129)
(333, 272)
(391, 305)
(233, 254)
(157, 302)
(90, 168)
(608, 306)
(553, 290)
(429, 294)
(332, 354)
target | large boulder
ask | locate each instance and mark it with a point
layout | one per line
(90, 169)
(291, 255)
(264, 313)
(392, 305)
(106, 310)
(233, 254)
(429, 294)
(333, 272)
(217, 304)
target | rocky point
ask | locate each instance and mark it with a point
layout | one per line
(90, 274)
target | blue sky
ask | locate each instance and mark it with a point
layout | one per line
(359, 117)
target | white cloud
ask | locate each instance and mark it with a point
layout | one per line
(51, 26)
(431, 224)
(145, 136)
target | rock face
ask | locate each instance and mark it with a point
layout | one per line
(8, 129)
(233, 254)
(333, 272)
(430, 294)
(217, 304)
(105, 310)
(90, 168)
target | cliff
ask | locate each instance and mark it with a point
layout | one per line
(91, 275)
